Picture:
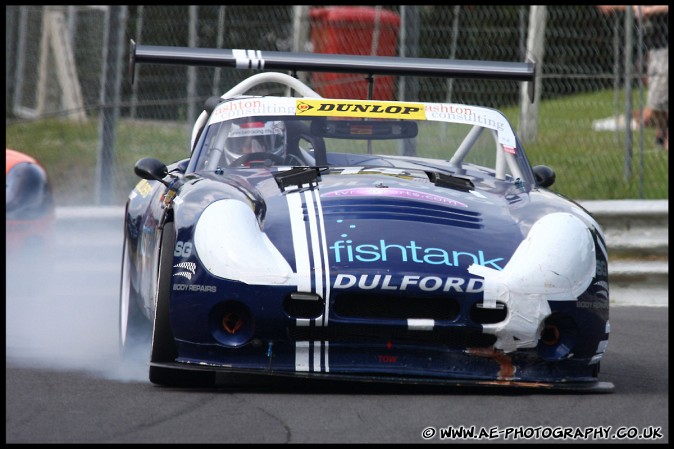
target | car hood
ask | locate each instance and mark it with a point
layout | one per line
(355, 223)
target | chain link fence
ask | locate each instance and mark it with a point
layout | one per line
(67, 71)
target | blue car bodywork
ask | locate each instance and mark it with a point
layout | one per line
(386, 251)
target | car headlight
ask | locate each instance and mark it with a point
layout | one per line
(231, 245)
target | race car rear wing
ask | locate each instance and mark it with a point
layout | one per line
(320, 62)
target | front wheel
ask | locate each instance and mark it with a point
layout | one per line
(163, 345)
(134, 328)
(164, 349)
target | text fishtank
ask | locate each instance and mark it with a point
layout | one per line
(382, 251)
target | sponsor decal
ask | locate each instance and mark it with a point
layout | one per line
(394, 192)
(143, 188)
(472, 115)
(346, 250)
(466, 114)
(238, 105)
(420, 184)
(188, 269)
(383, 251)
(168, 197)
(248, 107)
(406, 282)
(356, 108)
(195, 288)
(183, 249)
(450, 110)
(600, 305)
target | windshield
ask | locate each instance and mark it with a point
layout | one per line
(268, 131)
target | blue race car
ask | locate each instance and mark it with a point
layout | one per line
(402, 242)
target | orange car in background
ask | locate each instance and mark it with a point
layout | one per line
(29, 207)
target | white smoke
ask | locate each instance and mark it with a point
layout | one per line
(62, 308)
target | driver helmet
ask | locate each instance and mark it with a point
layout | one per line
(255, 137)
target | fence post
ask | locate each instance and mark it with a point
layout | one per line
(627, 173)
(193, 39)
(535, 48)
(113, 48)
(134, 86)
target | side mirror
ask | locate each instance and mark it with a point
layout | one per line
(545, 176)
(151, 169)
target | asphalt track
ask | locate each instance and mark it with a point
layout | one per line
(69, 398)
(66, 384)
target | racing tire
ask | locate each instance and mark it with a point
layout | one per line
(163, 345)
(135, 329)
(164, 349)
